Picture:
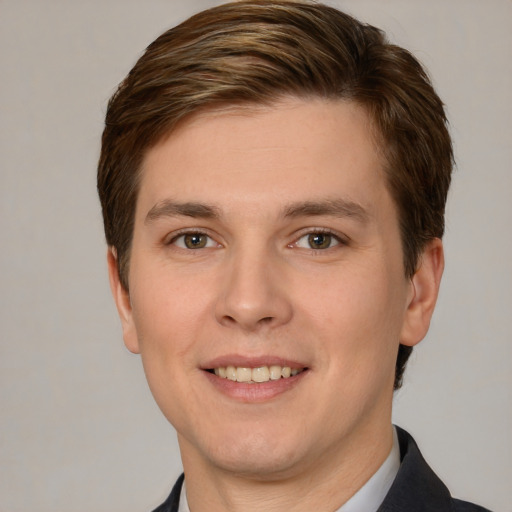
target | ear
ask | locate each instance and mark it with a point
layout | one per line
(123, 304)
(424, 290)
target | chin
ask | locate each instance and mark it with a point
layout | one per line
(261, 466)
(256, 456)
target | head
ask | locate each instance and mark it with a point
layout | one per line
(255, 53)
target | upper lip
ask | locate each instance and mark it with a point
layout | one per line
(251, 362)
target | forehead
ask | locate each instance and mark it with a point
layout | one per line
(291, 150)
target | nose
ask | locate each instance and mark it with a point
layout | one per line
(254, 294)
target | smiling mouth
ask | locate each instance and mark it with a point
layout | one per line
(256, 375)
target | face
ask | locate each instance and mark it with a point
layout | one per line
(267, 290)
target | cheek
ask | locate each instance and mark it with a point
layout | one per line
(360, 338)
(169, 315)
(169, 322)
(359, 319)
(354, 301)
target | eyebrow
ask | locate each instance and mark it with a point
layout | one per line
(168, 208)
(329, 207)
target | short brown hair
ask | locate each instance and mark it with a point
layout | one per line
(255, 52)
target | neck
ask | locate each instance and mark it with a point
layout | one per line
(326, 484)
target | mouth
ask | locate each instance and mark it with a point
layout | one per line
(257, 375)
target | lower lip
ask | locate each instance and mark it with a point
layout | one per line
(256, 392)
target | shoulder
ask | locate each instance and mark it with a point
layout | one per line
(417, 487)
(465, 506)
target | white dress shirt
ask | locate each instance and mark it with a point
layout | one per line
(368, 498)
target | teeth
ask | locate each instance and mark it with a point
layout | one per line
(275, 372)
(243, 374)
(260, 374)
(230, 373)
(256, 375)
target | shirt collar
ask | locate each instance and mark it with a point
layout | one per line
(373, 492)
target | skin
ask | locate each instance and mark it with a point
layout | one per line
(257, 292)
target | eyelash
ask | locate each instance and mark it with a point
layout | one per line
(340, 240)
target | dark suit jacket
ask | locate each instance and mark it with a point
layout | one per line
(416, 487)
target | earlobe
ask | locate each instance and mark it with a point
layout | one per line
(425, 288)
(123, 304)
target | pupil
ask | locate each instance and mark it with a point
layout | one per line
(319, 241)
(195, 241)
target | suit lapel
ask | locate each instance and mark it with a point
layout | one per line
(416, 486)
(172, 503)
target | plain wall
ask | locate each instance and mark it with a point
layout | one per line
(79, 429)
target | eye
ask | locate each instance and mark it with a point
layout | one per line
(317, 241)
(193, 241)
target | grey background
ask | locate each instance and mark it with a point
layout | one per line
(79, 429)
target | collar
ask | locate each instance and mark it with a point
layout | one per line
(373, 492)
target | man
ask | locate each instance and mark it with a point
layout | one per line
(273, 179)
